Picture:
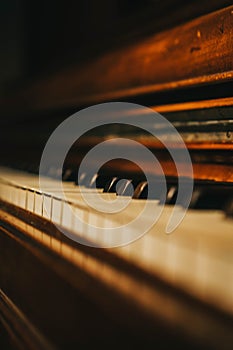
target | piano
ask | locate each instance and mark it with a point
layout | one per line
(58, 289)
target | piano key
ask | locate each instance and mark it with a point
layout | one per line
(197, 256)
(93, 181)
(110, 185)
(127, 187)
(228, 208)
(141, 191)
(192, 257)
(124, 187)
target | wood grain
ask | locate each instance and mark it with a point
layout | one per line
(196, 53)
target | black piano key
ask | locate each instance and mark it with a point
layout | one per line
(80, 180)
(54, 172)
(110, 185)
(205, 196)
(94, 180)
(141, 191)
(121, 186)
(228, 207)
(97, 181)
(184, 197)
(102, 180)
(69, 174)
(91, 181)
(124, 187)
(156, 191)
(213, 197)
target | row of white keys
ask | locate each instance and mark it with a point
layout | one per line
(197, 256)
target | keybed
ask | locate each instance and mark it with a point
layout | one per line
(197, 256)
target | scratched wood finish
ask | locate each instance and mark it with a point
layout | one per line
(198, 52)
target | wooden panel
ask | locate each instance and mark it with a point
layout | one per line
(198, 52)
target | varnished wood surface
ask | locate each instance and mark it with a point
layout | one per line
(196, 53)
(194, 105)
(19, 331)
(210, 161)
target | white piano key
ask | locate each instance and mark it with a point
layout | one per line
(22, 198)
(47, 206)
(38, 209)
(197, 256)
(67, 216)
(57, 207)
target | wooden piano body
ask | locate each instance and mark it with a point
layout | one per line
(173, 290)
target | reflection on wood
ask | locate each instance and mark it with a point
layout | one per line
(195, 53)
